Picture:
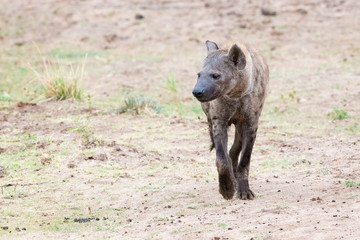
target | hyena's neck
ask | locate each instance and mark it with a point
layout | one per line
(250, 77)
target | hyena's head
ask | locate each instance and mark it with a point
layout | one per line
(220, 73)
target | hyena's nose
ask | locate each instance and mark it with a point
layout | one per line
(198, 93)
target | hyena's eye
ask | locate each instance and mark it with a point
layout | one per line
(198, 75)
(215, 76)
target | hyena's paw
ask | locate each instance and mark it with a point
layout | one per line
(244, 191)
(226, 186)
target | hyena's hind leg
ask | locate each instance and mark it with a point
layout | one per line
(236, 148)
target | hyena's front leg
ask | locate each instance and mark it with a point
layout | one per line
(227, 181)
(242, 174)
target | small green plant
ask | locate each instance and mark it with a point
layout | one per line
(351, 183)
(162, 219)
(223, 225)
(284, 207)
(325, 172)
(193, 207)
(354, 129)
(291, 96)
(350, 195)
(171, 84)
(61, 81)
(136, 104)
(87, 137)
(28, 140)
(338, 114)
(4, 97)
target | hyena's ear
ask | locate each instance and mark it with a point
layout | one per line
(211, 46)
(237, 56)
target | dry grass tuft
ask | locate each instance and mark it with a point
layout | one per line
(61, 81)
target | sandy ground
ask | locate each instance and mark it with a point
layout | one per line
(153, 176)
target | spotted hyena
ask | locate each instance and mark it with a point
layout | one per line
(231, 87)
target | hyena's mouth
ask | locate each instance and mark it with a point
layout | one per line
(202, 100)
(206, 98)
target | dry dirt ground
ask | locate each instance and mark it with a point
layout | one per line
(81, 170)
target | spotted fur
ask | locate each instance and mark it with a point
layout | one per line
(232, 87)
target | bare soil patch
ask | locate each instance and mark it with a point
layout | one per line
(73, 170)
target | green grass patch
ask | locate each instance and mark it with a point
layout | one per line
(352, 183)
(193, 207)
(171, 83)
(14, 81)
(353, 129)
(25, 157)
(338, 114)
(5, 97)
(222, 225)
(350, 195)
(162, 219)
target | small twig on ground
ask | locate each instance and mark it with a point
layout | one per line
(23, 185)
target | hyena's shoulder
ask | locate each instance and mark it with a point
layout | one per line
(258, 60)
(260, 73)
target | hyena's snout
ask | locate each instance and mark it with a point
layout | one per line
(199, 90)
(198, 93)
(203, 91)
